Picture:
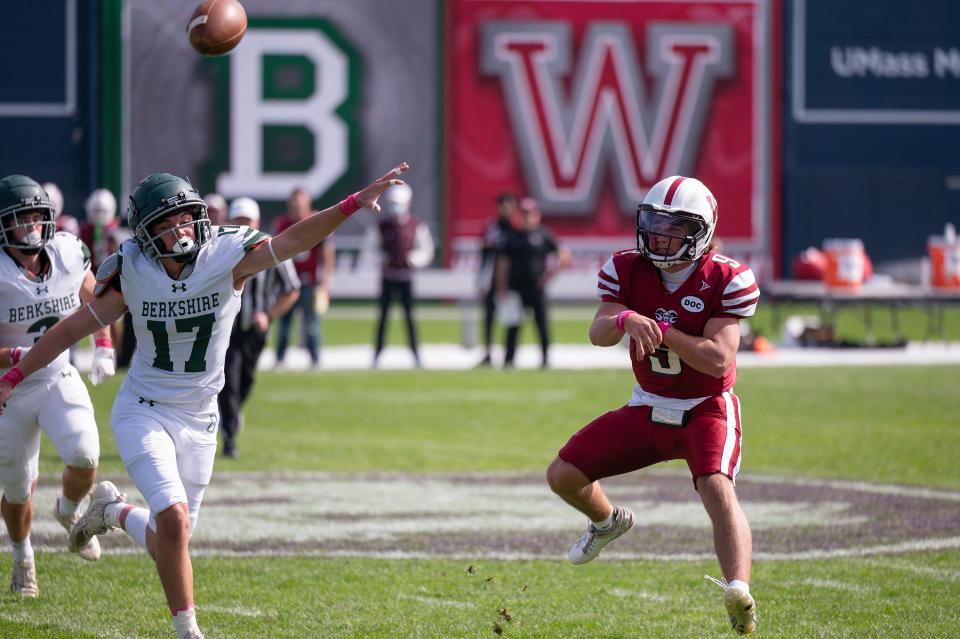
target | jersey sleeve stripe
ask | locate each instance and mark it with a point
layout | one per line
(608, 297)
(610, 270)
(744, 311)
(613, 286)
(740, 282)
(601, 286)
(737, 301)
(252, 238)
(602, 275)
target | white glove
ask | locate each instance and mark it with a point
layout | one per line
(104, 365)
(17, 353)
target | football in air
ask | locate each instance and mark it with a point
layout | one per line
(217, 26)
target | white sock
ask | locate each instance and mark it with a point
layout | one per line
(134, 522)
(606, 523)
(67, 506)
(184, 621)
(742, 585)
(22, 550)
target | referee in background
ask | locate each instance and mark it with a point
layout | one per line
(266, 296)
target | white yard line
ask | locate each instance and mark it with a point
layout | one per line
(586, 357)
(266, 512)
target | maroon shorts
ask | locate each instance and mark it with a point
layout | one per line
(625, 440)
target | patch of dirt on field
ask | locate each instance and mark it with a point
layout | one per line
(516, 515)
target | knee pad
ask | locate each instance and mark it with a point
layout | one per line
(17, 493)
(85, 452)
(80, 461)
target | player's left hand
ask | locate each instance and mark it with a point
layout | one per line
(367, 198)
(104, 365)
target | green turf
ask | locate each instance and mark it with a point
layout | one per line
(889, 424)
(373, 598)
(437, 323)
(884, 424)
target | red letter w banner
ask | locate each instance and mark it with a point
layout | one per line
(584, 105)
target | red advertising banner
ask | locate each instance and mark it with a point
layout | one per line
(585, 105)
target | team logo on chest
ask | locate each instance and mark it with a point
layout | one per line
(666, 316)
(182, 287)
(692, 304)
(43, 289)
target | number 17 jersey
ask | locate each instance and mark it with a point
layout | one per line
(183, 326)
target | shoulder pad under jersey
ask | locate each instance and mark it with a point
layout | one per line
(107, 272)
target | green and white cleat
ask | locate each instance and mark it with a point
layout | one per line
(91, 551)
(592, 542)
(93, 522)
(24, 582)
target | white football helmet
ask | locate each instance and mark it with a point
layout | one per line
(676, 221)
(395, 201)
(56, 197)
(101, 207)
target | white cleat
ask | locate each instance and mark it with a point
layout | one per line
(24, 582)
(191, 634)
(90, 552)
(741, 608)
(589, 546)
(93, 522)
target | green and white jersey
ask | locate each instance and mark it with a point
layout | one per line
(29, 306)
(183, 326)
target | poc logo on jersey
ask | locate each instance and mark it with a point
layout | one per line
(692, 304)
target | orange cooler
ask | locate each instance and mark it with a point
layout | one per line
(846, 263)
(944, 262)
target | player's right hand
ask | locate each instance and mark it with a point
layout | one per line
(645, 333)
(367, 198)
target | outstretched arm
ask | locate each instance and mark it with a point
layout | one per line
(308, 233)
(100, 312)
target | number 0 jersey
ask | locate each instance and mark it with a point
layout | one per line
(182, 326)
(717, 287)
(28, 306)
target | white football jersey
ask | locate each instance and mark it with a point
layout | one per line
(183, 326)
(28, 306)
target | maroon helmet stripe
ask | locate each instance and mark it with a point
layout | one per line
(672, 191)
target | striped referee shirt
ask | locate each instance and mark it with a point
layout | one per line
(262, 290)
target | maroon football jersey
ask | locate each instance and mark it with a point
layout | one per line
(309, 263)
(718, 287)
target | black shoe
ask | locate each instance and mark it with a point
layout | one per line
(484, 363)
(231, 452)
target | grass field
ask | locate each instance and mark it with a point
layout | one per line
(355, 323)
(885, 425)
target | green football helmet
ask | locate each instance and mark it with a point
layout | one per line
(18, 195)
(161, 195)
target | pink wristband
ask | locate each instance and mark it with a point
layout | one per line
(103, 342)
(622, 319)
(15, 354)
(13, 377)
(663, 325)
(349, 205)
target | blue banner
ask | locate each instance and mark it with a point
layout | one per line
(863, 61)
